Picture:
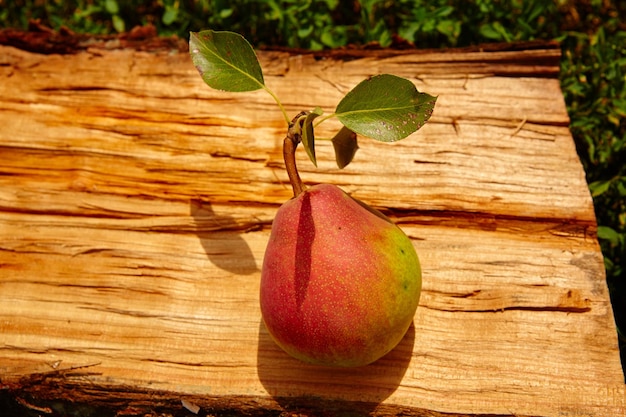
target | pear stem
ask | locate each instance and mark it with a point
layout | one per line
(294, 136)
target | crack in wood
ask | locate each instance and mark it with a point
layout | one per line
(555, 309)
(570, 226)
(219, 154)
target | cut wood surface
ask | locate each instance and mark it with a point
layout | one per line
(136, 204)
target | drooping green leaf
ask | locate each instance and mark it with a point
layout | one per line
(345, 144)
(226, 61)
(385, 107)
(308, 135)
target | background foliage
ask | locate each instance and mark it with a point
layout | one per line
(593, 71)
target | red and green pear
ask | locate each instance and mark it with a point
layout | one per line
(340, 282)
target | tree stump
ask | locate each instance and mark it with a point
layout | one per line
(136, 204)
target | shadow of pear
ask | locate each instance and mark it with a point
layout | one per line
(353, 391)
(220, 236)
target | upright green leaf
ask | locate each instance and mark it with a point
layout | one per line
(385, 107)
(308, 136)
(226, 61)
(345, 144)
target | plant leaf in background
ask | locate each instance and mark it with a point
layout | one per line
(385, 107)
(598, 188)
(608, 233)
(226, 61)
(308, 137)
(345, 145)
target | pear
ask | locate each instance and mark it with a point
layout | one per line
(340, 282)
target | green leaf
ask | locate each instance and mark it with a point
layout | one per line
(385, 107)
(226, 61)
(305, 32)
(170, 15)
(598, 188)
(118, 23)
(111, 6)
(308, 136)
(621, 187)
(226, 13)
(607, 233)
(488, 31)
(345, 144)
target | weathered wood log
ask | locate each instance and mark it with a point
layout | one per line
(136, 203)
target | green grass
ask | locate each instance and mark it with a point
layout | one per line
(593, 70)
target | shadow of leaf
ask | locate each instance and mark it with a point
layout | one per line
(220, 236)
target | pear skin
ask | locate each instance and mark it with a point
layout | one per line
(340, 282)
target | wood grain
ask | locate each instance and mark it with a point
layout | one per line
(136, 203)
